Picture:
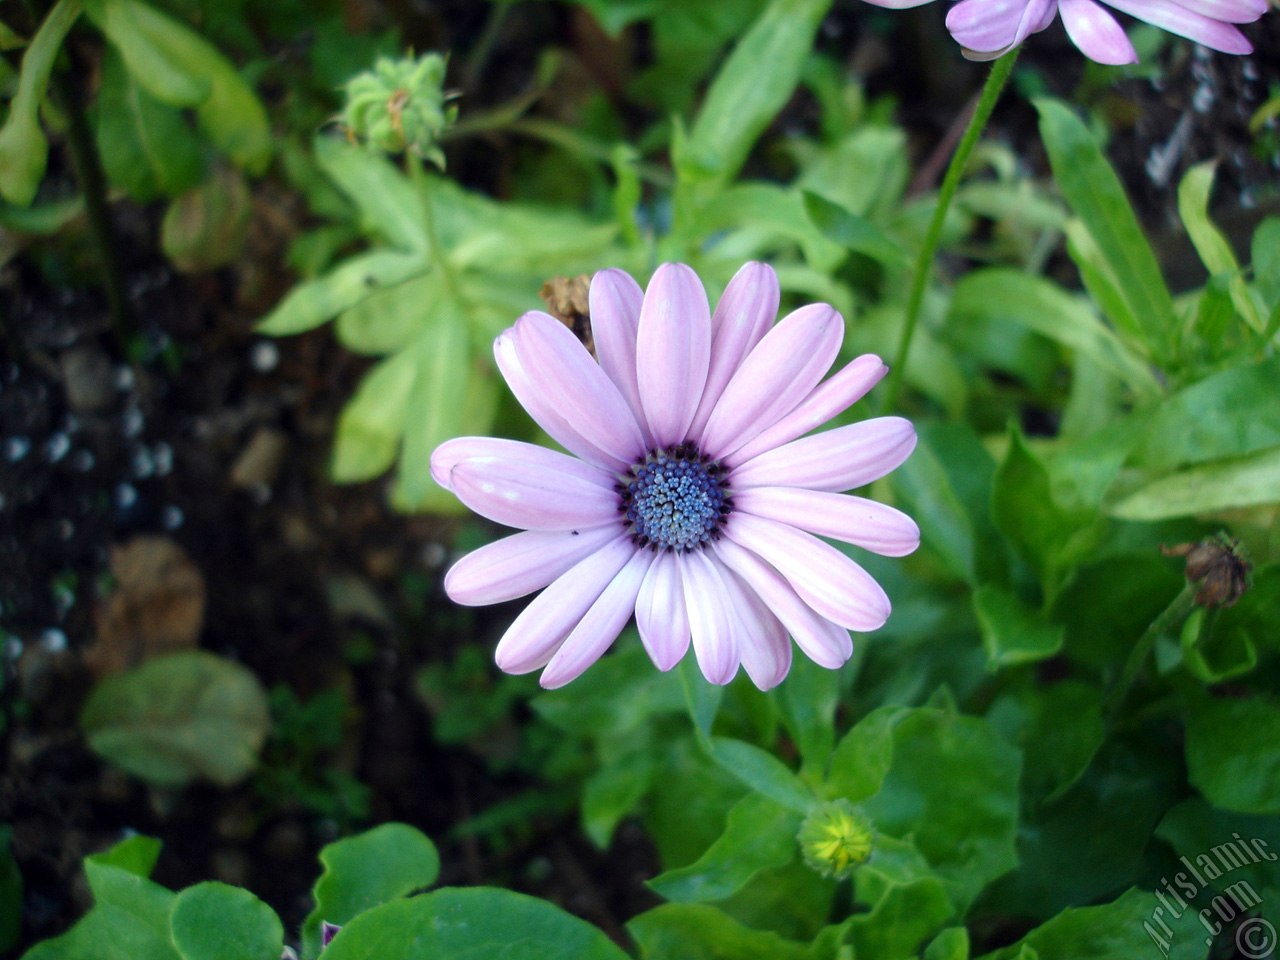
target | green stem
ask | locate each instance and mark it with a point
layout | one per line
(425, 189)
(996, 80)
(1173, 614)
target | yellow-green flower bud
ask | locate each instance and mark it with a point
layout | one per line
(399, 105)
(836, 838)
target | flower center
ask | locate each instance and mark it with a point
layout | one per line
(675, 499)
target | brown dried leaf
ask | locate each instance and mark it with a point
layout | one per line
(568, 301)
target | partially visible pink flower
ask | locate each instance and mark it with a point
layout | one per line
(989, 28)
(693, 496)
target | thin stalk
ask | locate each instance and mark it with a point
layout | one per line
(413, 166)
(996, 79)
(1173, 614)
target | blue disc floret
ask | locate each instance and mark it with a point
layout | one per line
(675, 499)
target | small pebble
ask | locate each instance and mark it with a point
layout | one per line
(16, 447)
(265, 356)
(132, 422)
(82, 460)
(126, 496)
(56, 447)
(144, 465)
(53, 640)
(125, 377)
(162, 454)
(171, 517)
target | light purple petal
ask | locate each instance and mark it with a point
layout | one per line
(744, 315)
(987, 26)
(864, 523)
(576, 386)
(450, 453)
(898, 4)
(533, 496)
(763, 644)
(825, 643)
(615, 301)
(827, 580)
(1096, 32)
(1186, 23)
(600, 625)
(673, 351)
(542, 409)
(520, 564)
(535, 635)
(780, 372)
(835, 460)
(831, 397)
(710, 620)
(660, 613)
(1228, 11)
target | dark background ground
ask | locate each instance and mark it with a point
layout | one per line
(216, 440)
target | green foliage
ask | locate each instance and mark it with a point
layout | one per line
(212, 921)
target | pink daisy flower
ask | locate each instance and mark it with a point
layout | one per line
(989, 28)
(693, 496)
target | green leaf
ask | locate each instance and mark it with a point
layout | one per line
(758, 835)
(854, 231)
(764, 773)
(696, 931)
(1265, 251)
(1012, 632)
(455, 924)
(1213, 652)
(361, 872)
(388, 319)
(950, 944)
(1059, 729)
(951, 777)
(371, 424)
(809, 698)
(206, 228)
(173, 62)
(136, 855)
(178, 718)
(23, 148)
(1218, 842)
(1214, 250)
(389, 205)
(613, 792)
(1223, 485)
(1094, 193)
(702, 698)
(901, 920)
(863, 755)
(1231, 752)
(146, 146)
(213, 921)
(310, 304)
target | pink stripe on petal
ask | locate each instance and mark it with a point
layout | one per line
(450, 453)
(827, 580)
(898, 4)
(780, 372)
(831, 397)
(576, 386)
(986, 26)
(825, 643)
(743, 316)
(864, 523)
(1186, 23)
(660, 613)
(542, 409)
(615, 301)
(534, 496)
(1096, 32)
(599, 626)
(520, 564)
(673, 351)
(711, 623)
(763, 644)
(535, 635)
(1228, 11)
(834, 460)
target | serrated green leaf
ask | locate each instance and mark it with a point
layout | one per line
(388, 319)
(1012, 632)
(1221, 485)
(1215, 252)
(214, 921)
(147, 56)
(310, 304)
(1231, 752)
(697, 931)
(389, 205)
(764, 773)
(862, 757)
(136, 855)
(372, 422)
(853, 231)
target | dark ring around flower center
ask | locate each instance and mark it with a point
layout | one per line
(674, 499)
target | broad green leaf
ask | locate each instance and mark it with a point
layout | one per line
(147, 904)
(951, 944)
(23, 147)
(758, 835)
(371, 868)
(371, 424)
(902, 920)
(697, 931)
(1099, 279)
(809, 698)
(457, 924)
(146, 146)
(181, 717)
(213, 921)
(231, 114)
(854, 231)
(951, 776)
(1095, 195)
(1223, 485)
(760, 208)
(388, 319)
(1265, 251)
(1059, 730)
(1214, 652)
(863, 755)
(1012, 632)
(1214, 250)
(1227, 414)
(702, 699)
(136, 855)
(1231, 752)
(1123, 930)
(613, 792)
(1217, 842)
(310, 304)
(764, 773)
(389, 205)
(753, 85)
(206, 228)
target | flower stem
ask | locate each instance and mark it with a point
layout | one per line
(996, 79)
(1173, 614)
(425, 189)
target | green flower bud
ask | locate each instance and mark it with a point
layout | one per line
(836, 838)
(399, 105)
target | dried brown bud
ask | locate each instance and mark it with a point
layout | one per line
(568, 301)
(1217, 566)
